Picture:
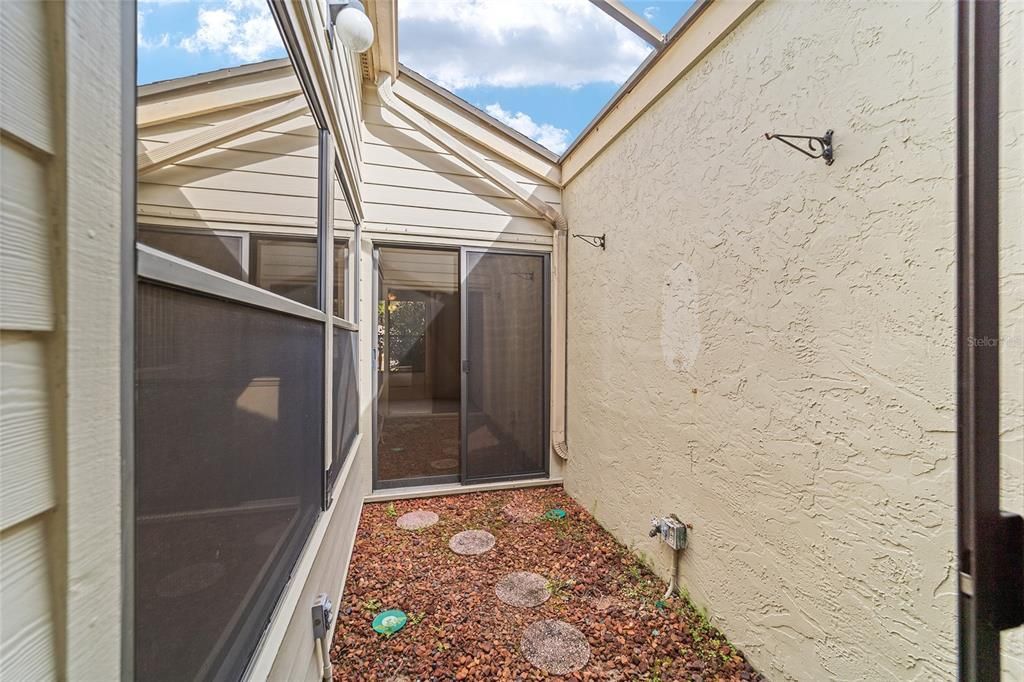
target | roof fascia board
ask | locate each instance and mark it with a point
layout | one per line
(478, 113)
(696, 34)
(209, 77)
(470, 122)
(225, 131)
(384, 52)
(632, 21)
(205, 96)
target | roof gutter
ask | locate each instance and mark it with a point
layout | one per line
(544, 210)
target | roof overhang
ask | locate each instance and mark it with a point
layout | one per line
(382, 57)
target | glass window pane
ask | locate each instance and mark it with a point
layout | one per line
(228, 475)
(286, 266)
(346, 403)
(219, 252)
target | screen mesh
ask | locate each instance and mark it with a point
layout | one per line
(229, 408)
(506, 346)
(346, 401)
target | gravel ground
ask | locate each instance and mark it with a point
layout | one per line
(458, 628)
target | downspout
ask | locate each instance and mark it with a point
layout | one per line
(481, 165)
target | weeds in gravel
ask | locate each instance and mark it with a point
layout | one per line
(660, 665)
(416, 618)
(559, 588)
(390, 510)
(371, 605)
(707, 641)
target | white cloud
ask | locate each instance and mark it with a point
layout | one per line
(148, 43)
(554, 138)
(650, 13)
(511, 43)
(243, 28)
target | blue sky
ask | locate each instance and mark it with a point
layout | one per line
(545, 67)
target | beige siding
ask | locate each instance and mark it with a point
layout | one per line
(28, 628)
(60, 191)
(27, 485)
(767, 346)
(26, 74)
(264, 181)
(415, 190)
(25, 260)
(28, 647)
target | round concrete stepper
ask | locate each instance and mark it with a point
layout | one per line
(415, 520)
(471, 542)
(555, 647)
(522, 589)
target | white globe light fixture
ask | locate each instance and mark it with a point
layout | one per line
(350, 24)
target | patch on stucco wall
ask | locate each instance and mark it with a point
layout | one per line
(680, 326)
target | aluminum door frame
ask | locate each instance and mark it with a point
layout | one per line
(411, 482)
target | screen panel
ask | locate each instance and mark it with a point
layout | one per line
(223, 253)
(346, 401)
(505, 400)
(228, 475)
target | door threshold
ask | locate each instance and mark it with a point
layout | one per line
(438, 490)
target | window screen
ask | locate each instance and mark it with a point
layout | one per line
(346, 402)
(228, 472)
(219, 252)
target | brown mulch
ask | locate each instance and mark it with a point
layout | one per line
(457, 627)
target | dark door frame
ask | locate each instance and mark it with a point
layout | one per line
(989, 541)
(461, 478)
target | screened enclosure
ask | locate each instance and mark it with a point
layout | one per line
(246, 387)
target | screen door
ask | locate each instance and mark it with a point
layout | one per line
(504, 365)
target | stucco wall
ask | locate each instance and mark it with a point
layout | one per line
(1011, 288)
(766, 348)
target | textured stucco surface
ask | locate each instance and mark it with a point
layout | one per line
(1011, 288)
(767, 346)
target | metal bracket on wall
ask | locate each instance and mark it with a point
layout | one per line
(820, 147)
(592, 239)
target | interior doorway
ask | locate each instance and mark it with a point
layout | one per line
(461, 366)
(419, 384)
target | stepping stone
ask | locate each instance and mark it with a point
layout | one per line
(555, 647)
(415, 520)
(471, 542)
(523, 589)
(445, 463)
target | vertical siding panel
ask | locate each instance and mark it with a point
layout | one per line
(27, 650)
(25, 290)
(26, 469)
(25, 78)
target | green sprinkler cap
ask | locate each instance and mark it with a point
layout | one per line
(554, 514)
(390, 622)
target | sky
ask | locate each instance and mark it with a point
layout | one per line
(543, 67)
